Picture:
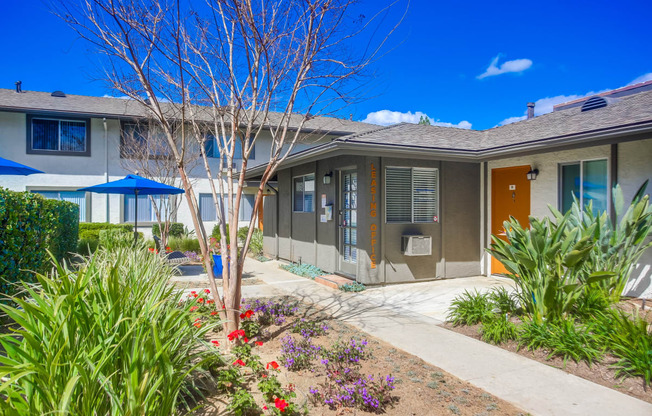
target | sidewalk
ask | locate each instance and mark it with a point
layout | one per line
(528, 384)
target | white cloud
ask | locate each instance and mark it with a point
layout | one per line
(642, 78)
(516, 65)
(388, 117)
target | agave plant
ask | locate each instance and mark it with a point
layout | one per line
(106, 339)
(548, 264)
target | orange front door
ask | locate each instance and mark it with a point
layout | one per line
(510, 195)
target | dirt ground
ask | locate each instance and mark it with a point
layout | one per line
(421, 389)
(600, 373)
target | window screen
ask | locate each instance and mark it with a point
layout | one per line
(208, 211)
(411, 195)
(146, 209)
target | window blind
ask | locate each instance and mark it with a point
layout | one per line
(398, 195)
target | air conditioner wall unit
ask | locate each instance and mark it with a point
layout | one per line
(416, 245)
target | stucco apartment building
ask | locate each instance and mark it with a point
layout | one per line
(409, 202)
(76, 140)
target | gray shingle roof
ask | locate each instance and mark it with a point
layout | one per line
(123, 108)
(629, 110)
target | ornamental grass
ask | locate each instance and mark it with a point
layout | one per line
(105, 339)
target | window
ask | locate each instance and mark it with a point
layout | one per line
(142, 141)
(62, 136)
(587, 181)
(212, 149)
(77, 197)
(146, 209)
(304, 193)
(208, 211)
(411, 195)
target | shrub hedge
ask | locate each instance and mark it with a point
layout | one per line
(176, 230)
(29, 226)
(89, 234)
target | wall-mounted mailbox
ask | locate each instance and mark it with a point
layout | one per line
(416, 245)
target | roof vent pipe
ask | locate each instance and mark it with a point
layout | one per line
(19, 86)
(530, 110)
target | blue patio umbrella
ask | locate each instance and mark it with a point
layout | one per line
(134, 185)
(9, 167)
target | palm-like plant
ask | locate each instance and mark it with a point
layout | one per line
(547, 263)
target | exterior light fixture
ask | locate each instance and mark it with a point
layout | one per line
(532, 174)
(327, 178)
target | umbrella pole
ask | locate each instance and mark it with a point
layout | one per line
(136, 217)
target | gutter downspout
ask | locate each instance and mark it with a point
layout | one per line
(106, 165)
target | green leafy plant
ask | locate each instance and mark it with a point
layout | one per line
(113, 239)
(176, 229)
(563, 338)
(618, 246)
(503, 301)
(270, 387)
(243, 403)
(303, 270)
(550, 264)
(106, 338)
(353, 287)
(251, 327)
(470, 308)
(629, 339)
(498, 329)
(217, 235)
(30, 225)
(256, 244)
(229, 379)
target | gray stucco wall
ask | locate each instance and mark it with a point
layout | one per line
(456, 249)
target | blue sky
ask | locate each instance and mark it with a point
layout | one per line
(546, 52)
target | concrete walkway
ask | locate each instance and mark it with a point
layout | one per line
(400, 315)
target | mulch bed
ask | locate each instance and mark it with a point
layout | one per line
(421, 389)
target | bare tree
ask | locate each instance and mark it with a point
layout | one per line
(235, 71)
(144, 150)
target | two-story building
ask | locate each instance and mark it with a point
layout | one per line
(78, 141)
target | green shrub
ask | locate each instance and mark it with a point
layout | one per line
(470, 308)
(353, 287)
(107, 339)
(184, 244)
(629, 339)
(86, 247)
(503, 301)
(243, 404)
(29, 226)
(217, 235)
(591, 303)
(550, 262)
(617, 247)
(113, 239)
(256, 245)
(498, 329)
(564, 339)
(176, 230)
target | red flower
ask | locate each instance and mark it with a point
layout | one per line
(223, 306)
(249, 313)
(216, 342)
(213, 313)
(236, 334)
(246, 340)
(259, 343)
(193, 293)
(239, 362)
(200, 300)
(242, 316)
(291, 387)
(207, 291)
(194, 308)
(197, 324)
(280, 404)
(264, 407)
(272, 364)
